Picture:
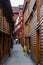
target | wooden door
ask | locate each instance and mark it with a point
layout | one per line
(29, 43)
(4, 45)
(1, 47)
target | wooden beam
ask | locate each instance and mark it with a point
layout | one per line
(38, 9)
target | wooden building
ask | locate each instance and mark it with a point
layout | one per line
(33, 28)
(5, 30)
(26, 13)
(15, 12)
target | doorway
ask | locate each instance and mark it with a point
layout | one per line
(29, 43)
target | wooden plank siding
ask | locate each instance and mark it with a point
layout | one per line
(1, 19)
(41, 35)
(1, 47)
(37, 42)
(33, 25)
(27, 27)
(5, 39)
(36, 30)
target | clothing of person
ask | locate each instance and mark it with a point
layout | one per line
(25, 48)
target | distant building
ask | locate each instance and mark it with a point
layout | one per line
(15, 12)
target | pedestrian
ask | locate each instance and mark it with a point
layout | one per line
(25, 49)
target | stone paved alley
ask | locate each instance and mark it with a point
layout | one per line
(18, 58)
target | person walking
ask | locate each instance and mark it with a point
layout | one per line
(25, 49)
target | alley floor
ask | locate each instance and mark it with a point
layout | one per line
(18, 57)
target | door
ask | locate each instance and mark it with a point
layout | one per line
(28, 41)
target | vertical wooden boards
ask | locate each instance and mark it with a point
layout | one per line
(38, 9)
(4, 37)
(33, 25)
(41, 35)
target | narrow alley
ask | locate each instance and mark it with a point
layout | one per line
(18, 57)
(21, 32)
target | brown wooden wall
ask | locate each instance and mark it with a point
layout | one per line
(5, 39)
(36, 30)
(33, 24)
(41, 35)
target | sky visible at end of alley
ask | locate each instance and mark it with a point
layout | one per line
(16, 3)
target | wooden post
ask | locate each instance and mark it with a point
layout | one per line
(37, 33)
(29, 25)
(38, 9)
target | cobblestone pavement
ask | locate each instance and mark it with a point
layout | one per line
(18, 57)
